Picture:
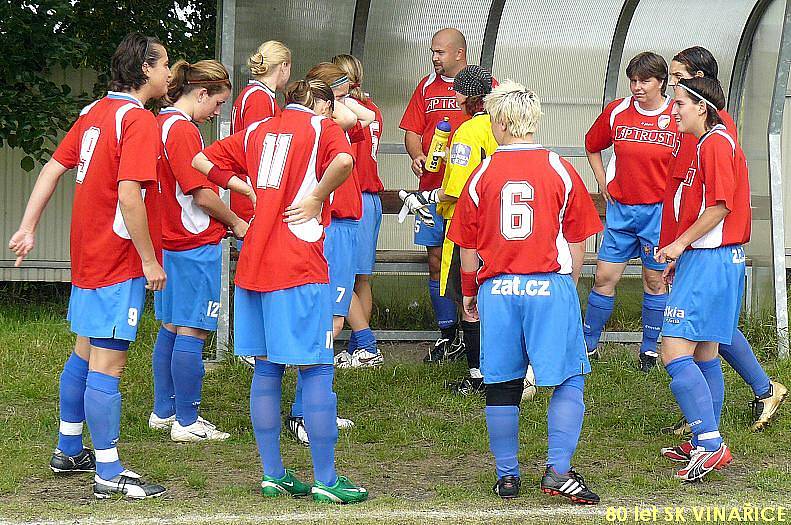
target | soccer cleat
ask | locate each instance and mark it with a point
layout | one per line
(765, 408)
(680, 428)
(445, 350)
(469, 386)
(362, 358)
(682, 452)
(593, 355)
(702, 462)
(296, 427)
(343, 360)
(161, 423)
(200, 430)
(647, 361)
(60, 463)
(128, 484)
(529, 389)
(288, 485)
(507, 487)
(343, 423)
(343, 491)
(570, 485)
(248, 360)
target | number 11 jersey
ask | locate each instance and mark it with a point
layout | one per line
(520, 210)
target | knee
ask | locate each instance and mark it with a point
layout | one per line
(653, 283)
(508, 393)
(605, 283)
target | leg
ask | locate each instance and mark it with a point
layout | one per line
(265, 394)
(601, 301)
(164, 394)
(361, 331)
(502, 424)
(564, 422)
(71, 400)
(362, 287)
(708, 360)
(740, 356)
(320, 409)
(654, 301)
(444, 308)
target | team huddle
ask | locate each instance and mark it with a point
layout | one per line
(504, 221)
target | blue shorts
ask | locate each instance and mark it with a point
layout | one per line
(109, 312)
(632, 230)
(192, 294)
(368, 233)
(531, 319)
(340, 246)
(290, 327)
(706, 296)
(430, 235)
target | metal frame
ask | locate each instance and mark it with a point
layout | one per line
(742, 60)
(616, 50)
(359, 27)
(490, 33)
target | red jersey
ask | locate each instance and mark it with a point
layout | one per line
(365, 152)
(520, 210)
(185, 225)
(718, 175)
(643, 144)
(677, 172)
(432, 101)
(289, 155)
(346, 202)
(114, 139)
(255, 102)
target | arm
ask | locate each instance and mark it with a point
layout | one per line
(212, 204)
(343, 116)
(711, 217)
(23, 241)
(201, 163)
(414, 146)
(133, 210)
(444, 197)
(309, 207)
(364, 115)
(469, 265)
(597, 166)
(577, 259)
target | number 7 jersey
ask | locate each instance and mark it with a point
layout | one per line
(520, 210)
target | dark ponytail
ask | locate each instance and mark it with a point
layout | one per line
(126, 64)
(710, 91)
(186, 77)
(696, 59)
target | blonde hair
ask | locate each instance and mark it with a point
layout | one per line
(186, 77)
(514, 105)
(326, 72)
(353, 68)
(307, 92)
(268, 55)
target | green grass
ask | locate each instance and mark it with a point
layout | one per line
(417, 447)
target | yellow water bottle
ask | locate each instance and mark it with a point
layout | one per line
(436, 151)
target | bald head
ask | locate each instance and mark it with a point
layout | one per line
(448, 51)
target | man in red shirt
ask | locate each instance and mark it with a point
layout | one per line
(432, 101)
(526, 214)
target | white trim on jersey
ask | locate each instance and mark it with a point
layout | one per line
(125, 96)
(119, 226)
(564, 251)
(119, 118)
(257, 86)
(652, 112)
(312, 230)
(473, 191)
(519, 146)
(712, 238)
(87, 108)
(250, 130)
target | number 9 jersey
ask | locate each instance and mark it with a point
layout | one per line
(520, 210)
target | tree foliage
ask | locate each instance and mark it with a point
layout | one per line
(39, 37)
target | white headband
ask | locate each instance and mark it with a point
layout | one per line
(701, 97)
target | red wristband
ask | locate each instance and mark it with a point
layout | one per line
(220, 177)
(469, 284)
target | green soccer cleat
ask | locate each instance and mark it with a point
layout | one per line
(288, 485)
(343, 491)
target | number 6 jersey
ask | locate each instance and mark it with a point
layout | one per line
(288, 155)
(520, 210)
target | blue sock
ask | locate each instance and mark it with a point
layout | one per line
(712, 372)
(365, 339)
(564, 422)
(741, 357)
(352, 343)
(188, 371)
(72, 404)
(321, 412)
(502, 423)
(693, 396)
(296, 406)
(653, 316)
(103, 414)
(164, 394)
(265, 393)
(444, 307)
(596, 316)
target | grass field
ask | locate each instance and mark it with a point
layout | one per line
(420, 450)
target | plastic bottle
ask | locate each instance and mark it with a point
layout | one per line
(436, 151)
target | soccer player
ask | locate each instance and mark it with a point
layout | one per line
(270, 67)
(769, 395)
(431, 102)
(706, 267)
(643, 136)
(194, 223)
(285, 318)
(115, 247)
(367, 167)
(526, 214)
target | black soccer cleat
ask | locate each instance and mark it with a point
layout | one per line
(446, 350)
(128, 484)
(647, 362)
(469, 386)
(570, 485)
(507, 487)
(60, 463)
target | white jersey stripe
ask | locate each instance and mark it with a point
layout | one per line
(312, 230)
(562, 245)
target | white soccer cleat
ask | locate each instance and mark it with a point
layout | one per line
(160, 423)
(343, 360)
(127, 484)
(201, 430)
(248, 360)
(529, 391)
(362, 358)
(344, 424)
